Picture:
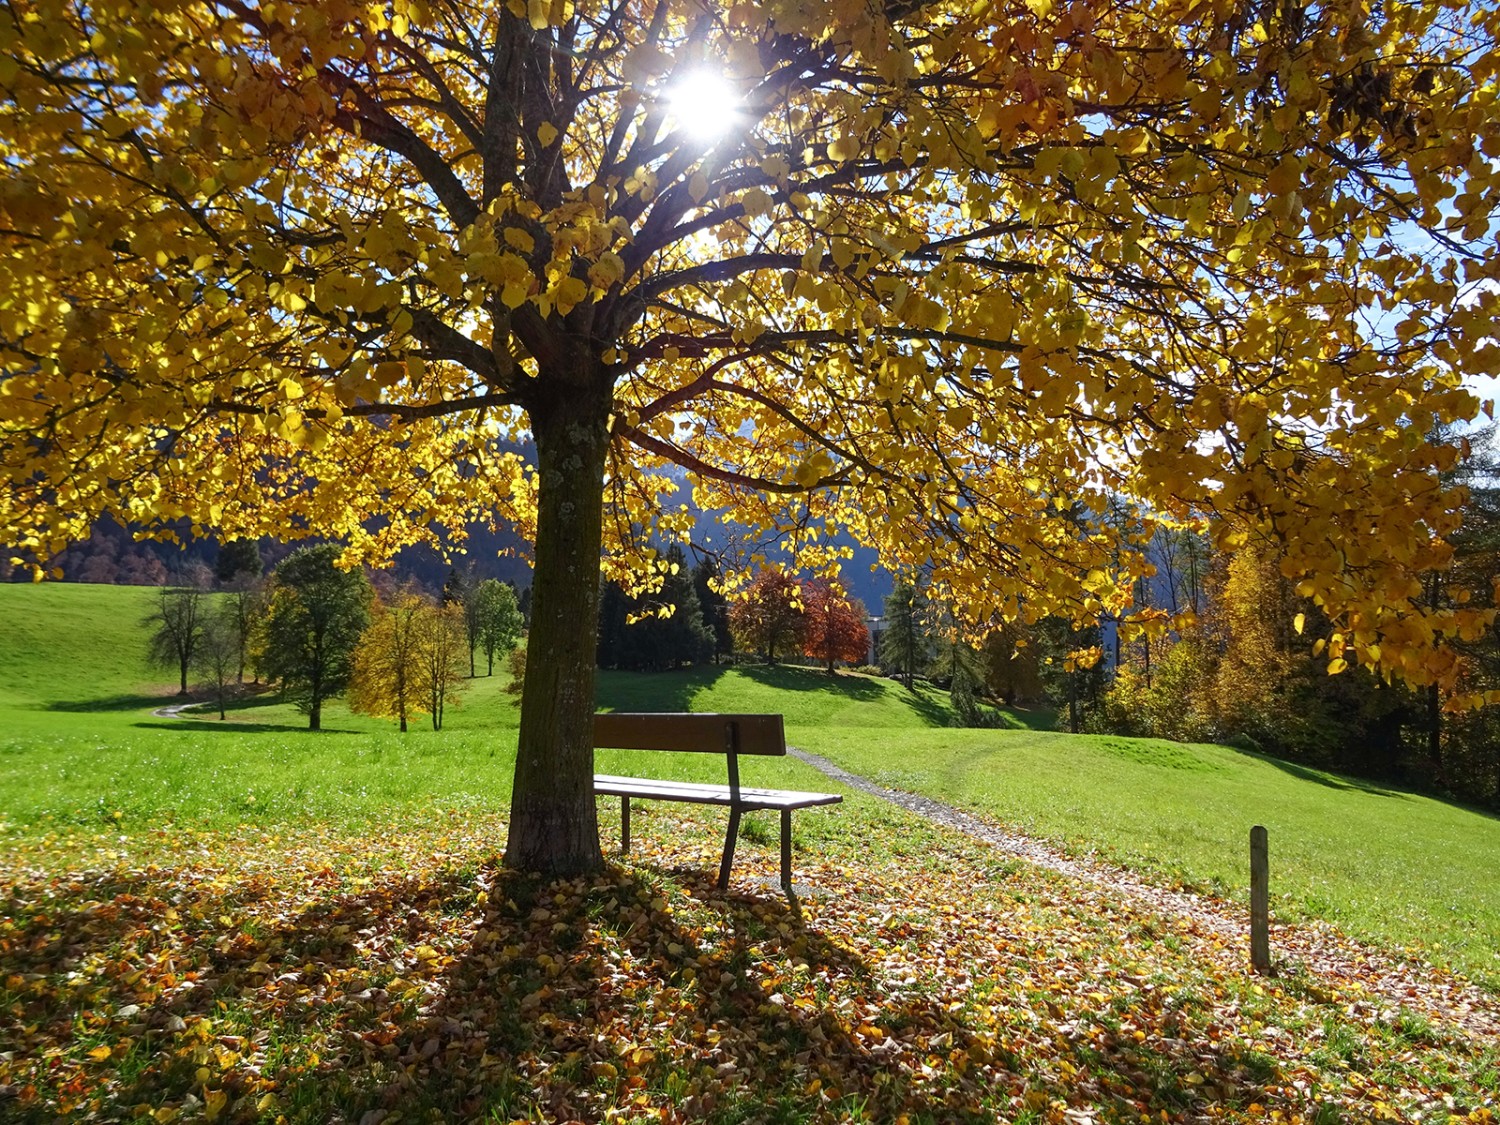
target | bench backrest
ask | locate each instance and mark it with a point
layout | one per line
(714, 734)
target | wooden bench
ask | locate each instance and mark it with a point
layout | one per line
(730, 735)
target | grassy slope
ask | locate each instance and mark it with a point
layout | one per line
(78, 746)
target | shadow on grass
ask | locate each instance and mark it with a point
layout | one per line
(654, 691)
(1321, 777)
(564, 1002)
(124, 702)
(231, 726)
(785, 677)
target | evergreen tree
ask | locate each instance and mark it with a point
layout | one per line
(614, 612)
(239, 559)
(904, 644)
(1074, 687)
(715, 606)
(684, 637)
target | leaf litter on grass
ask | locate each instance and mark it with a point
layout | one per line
(318, 975)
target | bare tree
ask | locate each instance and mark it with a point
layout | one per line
(176, 624)
(217, 654)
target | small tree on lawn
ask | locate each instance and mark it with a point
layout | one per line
(389, 671)
(498, 619)
(246, 600)
(462, 589)
(176, 623)
(835, 627)
(769, 618)
(217, 655)
(441, 640)
(317, 613)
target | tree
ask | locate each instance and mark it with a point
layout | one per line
(835, 627)
(669, 630)
(497, 618)
(245, 599)
(303, 265)
(239, 560)
(315, 617)
(1011, 665)
(614, 621)
(715, 606)
(769, 618)
(461, 588)
(904, 644)
(654, 632)
(388, 673)
(441, 640)
(217, 655)
(176, 624)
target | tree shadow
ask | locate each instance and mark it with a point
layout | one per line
(1324, 778)
(122, 702)
(654, 691)
(232, 726)
(566, 1002)
(785, 677)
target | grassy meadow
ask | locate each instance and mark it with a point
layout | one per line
(81, 751)
(245, 921)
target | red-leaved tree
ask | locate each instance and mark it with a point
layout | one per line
(770, 618)
(835, 625)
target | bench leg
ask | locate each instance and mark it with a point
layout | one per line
(786, 850)
(624, 825)
(729, 841)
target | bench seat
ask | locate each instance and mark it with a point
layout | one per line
(698, 793)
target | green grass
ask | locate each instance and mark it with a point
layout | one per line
(1403, 869)
(80, 750)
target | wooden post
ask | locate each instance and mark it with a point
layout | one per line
(1260, 901)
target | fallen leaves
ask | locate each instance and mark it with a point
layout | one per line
(376, 977)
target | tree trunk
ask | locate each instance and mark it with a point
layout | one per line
(315, 715)
(183, 667)
(553, 826)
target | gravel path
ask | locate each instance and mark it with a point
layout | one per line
(1371, 978)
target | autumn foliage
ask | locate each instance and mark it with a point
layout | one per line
(955, 278)
(317, 975)
(770, 617)
(834, 628)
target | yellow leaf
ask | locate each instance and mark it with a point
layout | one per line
(1299, 621)
(546, 132)
(99, 1053)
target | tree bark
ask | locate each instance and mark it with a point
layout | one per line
(553, 826)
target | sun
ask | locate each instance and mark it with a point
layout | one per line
(704, 105)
